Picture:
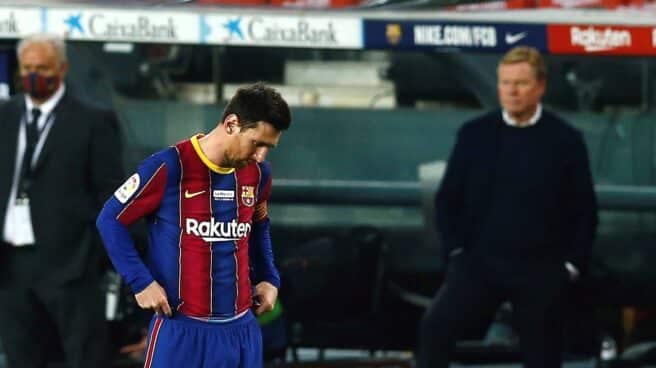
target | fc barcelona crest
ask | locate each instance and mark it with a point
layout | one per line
(248, 195)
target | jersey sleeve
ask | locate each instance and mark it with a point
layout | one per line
(260, 246)
(263, 193)
(138, 197)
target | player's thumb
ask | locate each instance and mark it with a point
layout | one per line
(167, 309)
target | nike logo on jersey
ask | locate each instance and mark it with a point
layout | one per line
(192, 195)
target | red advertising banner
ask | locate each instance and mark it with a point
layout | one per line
(608, 4)
(601, 39)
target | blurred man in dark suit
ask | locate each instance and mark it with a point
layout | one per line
(59, 160)
(517, 215)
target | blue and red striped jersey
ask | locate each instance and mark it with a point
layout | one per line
(208, 231)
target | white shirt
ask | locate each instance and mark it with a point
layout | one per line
(46, 108)
(17, 228)
(532, 121)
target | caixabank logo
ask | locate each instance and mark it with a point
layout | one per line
(287, 31)
(601, 39)
(15, 22)
(114, 25)
(8, 24)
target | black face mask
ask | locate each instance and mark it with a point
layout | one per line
(39, 86)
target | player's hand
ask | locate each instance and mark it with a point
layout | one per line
(265, 297)
(154, 297)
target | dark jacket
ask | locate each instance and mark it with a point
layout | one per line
(80, 165)
(465, 195)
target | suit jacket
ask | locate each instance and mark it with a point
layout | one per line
(464, 196)
(79, 167)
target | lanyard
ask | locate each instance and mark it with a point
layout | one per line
(25, 173)
(43, 134)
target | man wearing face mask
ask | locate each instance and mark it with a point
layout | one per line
(59, 160)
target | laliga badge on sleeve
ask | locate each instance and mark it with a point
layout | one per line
(127, 190)
(23, 234)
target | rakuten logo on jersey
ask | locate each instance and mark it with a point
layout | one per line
(595, 40)
(216, 231)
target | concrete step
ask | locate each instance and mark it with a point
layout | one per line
(381, 96)
(335, 73)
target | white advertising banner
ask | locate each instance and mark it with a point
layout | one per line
(136, 25)
(282, 31)
(19, 22)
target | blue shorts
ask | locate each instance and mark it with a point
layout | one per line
(181, 341)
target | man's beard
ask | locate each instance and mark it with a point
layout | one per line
(229, 161)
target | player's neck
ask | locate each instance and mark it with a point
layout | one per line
(212, 147)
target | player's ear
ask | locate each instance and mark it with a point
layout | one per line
(231, 123)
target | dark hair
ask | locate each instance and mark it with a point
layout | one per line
(258, 102)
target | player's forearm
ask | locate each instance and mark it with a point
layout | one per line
(261, 254)
(121, 250)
